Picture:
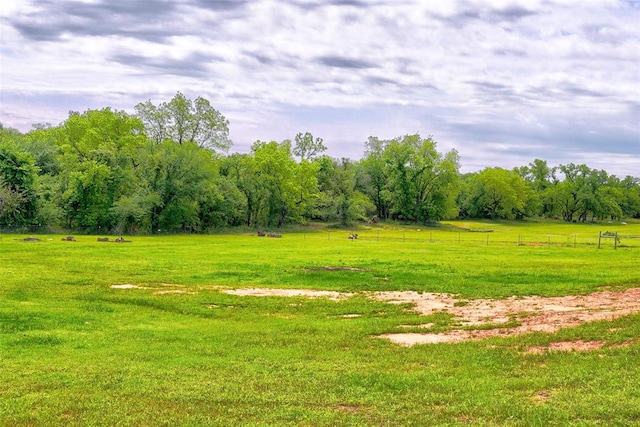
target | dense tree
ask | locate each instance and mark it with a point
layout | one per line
(97, 157)
(18, 186)
(630, 205)
(160, 171)
(339, 198)
(182, 120)
(241, 170)
(411, 181)
(495, 193)
(289, 186)
(374, 165)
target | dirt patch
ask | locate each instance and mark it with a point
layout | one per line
(306, 293)
(566, 346)
(174, 291)
(474, 319)
(530, 314)
(541, 397)
(128, 286)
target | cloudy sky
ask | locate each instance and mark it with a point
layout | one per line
(503, 82)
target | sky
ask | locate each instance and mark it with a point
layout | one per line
(503, 82)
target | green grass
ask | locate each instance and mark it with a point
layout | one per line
(74, 351)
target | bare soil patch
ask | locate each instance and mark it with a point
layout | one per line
(566, 346)
(174, 291)
(307, 293)
(128, 286)
(531, 314)
(476, 319)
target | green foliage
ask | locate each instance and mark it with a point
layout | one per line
(182, 120)
(495, 193)
(308, 148)
(339, 199)
(288, 186)
(18, 185)
(410, 180)
(158, 171)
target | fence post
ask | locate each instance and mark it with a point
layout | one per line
(599, 239)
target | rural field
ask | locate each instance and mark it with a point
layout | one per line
(463, 323)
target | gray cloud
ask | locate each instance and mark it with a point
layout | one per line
(222, 5)
(145, 20)
(343, 62)
(193, 65)
(471, 12)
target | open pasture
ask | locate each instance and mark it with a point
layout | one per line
(157, 332)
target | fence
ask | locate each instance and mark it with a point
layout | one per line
(601, 240)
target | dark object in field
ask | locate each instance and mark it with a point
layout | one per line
(261, 233)
(277, 236)
(29, 239)
(121, 240)
(69, 239)
(353, 236)
(103, 239)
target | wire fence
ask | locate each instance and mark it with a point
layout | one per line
(599, 240)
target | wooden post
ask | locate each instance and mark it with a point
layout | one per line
(599, 239)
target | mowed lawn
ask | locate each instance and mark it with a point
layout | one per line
(76, 351)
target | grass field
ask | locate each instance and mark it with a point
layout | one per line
(75, 351)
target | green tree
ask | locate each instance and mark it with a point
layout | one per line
(177, 189)
(18, 181)
(495, 193)
(412, 178)
(289, 187)
(308, 148)
(96, 161)
(630, 188)
(241, 170)
(182, 120)
(374, 166)
(339, 198)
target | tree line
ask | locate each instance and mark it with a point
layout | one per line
(166, 169)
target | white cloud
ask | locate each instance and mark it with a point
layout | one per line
(535, 76)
